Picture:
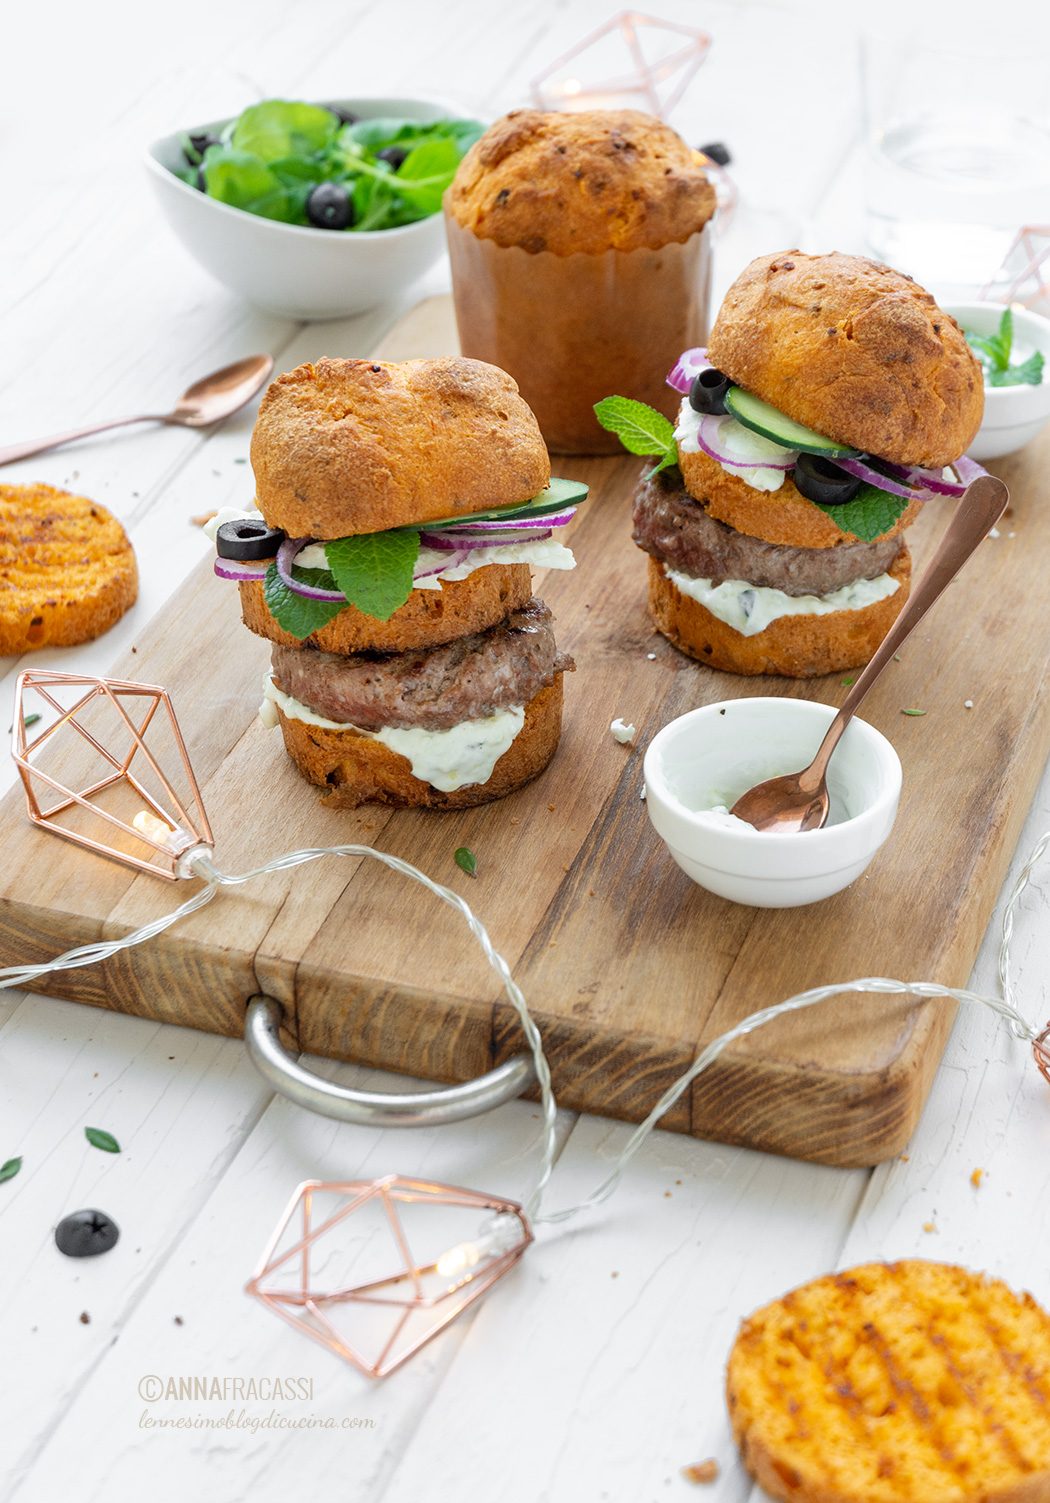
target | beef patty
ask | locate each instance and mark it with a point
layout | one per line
(677, 530)
(434, 690)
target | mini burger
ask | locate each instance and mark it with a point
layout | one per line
(833, 399)
(400, 508)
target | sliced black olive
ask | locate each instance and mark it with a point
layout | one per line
(247, 539)
(395, 155)
(200, 140)
(718, 152)
(85, 1234)
(329, 207)
(708, 391)
(822, 481)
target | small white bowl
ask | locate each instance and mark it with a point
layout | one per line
(711, 756)
(295, 270)
(1013, 415)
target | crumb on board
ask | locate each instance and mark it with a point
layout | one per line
(615, 1274)
(651, 656)
(551, 808)
(642, 795)
(85, 1318)
(622, 731)
(667, 1195)
(905, 1158)
(976, 1178)
(701, 1471)
(515, 820)
(591, 893)
(179, 1320)
(929, 1226)
(967, 704)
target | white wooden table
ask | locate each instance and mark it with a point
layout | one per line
(595, 1372)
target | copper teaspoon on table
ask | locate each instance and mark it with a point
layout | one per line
(799, 800)
(207, 401)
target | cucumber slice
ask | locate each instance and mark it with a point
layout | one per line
(559, 496)
(760, 417)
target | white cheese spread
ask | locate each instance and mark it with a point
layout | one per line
(739, 442)
(457, 758)
(749, 608)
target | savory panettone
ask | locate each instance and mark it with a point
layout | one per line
(589, 181)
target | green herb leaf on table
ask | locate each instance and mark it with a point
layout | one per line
(9, 1169)
(870, 515)
(913, 712)
(466, 860)
(375, 571)
(640, 428)
(295, 613)
(99, 1138)
(32, 719)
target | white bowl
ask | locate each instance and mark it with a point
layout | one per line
(711, 756)
(295, 270)
(1013, 415)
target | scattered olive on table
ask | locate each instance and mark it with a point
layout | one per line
(85, 1234)
(823, 482)
(718, 152)
(330, 207)
(708, 391)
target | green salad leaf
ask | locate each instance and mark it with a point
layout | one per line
(993, 351)
(640, 428)
(870, 514)
(10, 1168)
(374, 570)
(98, 1137)
(270, 159)
(295, 613)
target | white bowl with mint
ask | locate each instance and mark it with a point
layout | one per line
(1012, 346)
(314, 211)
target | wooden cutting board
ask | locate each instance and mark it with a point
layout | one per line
(627, 965)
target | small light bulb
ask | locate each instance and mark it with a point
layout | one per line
(496, 1237)
(571, 86)
(155, 829)
(457, 1259)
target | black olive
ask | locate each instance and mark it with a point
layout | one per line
(200, 140)
(247, 539)
(820, 480)
(329, 207)
(718, 152)
(395, 155)
(85, 1234)
(345, 117)
(202, 182)
(708, 391)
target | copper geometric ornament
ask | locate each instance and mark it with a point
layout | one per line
(1041, 1050)
(653, 83)
(1022, 276)
(115, 814)
(378, 1320)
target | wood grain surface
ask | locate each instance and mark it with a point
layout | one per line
(627, 965)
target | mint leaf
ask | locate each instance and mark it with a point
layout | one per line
(9, 1169)
(295, 613)
(1028, 373)
(374, 571)
(466, 860)
(99, 1138)
(639, 427)
(870, 514)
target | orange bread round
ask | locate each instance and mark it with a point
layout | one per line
(907, 1382)
(784, 516)
(791, 646)
(458, 608)
(594, 181)
(343, 447)
(67, 569)
(855, 350)
(357, 769)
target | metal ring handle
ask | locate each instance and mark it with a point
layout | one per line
(374, 1108)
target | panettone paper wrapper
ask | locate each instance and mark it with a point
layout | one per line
(573, 329)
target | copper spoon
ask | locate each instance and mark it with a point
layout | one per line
(799, 800)
(207, 401)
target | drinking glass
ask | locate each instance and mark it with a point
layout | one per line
(957, 153)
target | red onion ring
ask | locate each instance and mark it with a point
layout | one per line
(459, 557)
(686, 369)
(861, 471)
(513, 524)
(286, 556)
(707, 437)
(440, 541)
(495, 540)
(242, 573)
(968, 469)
